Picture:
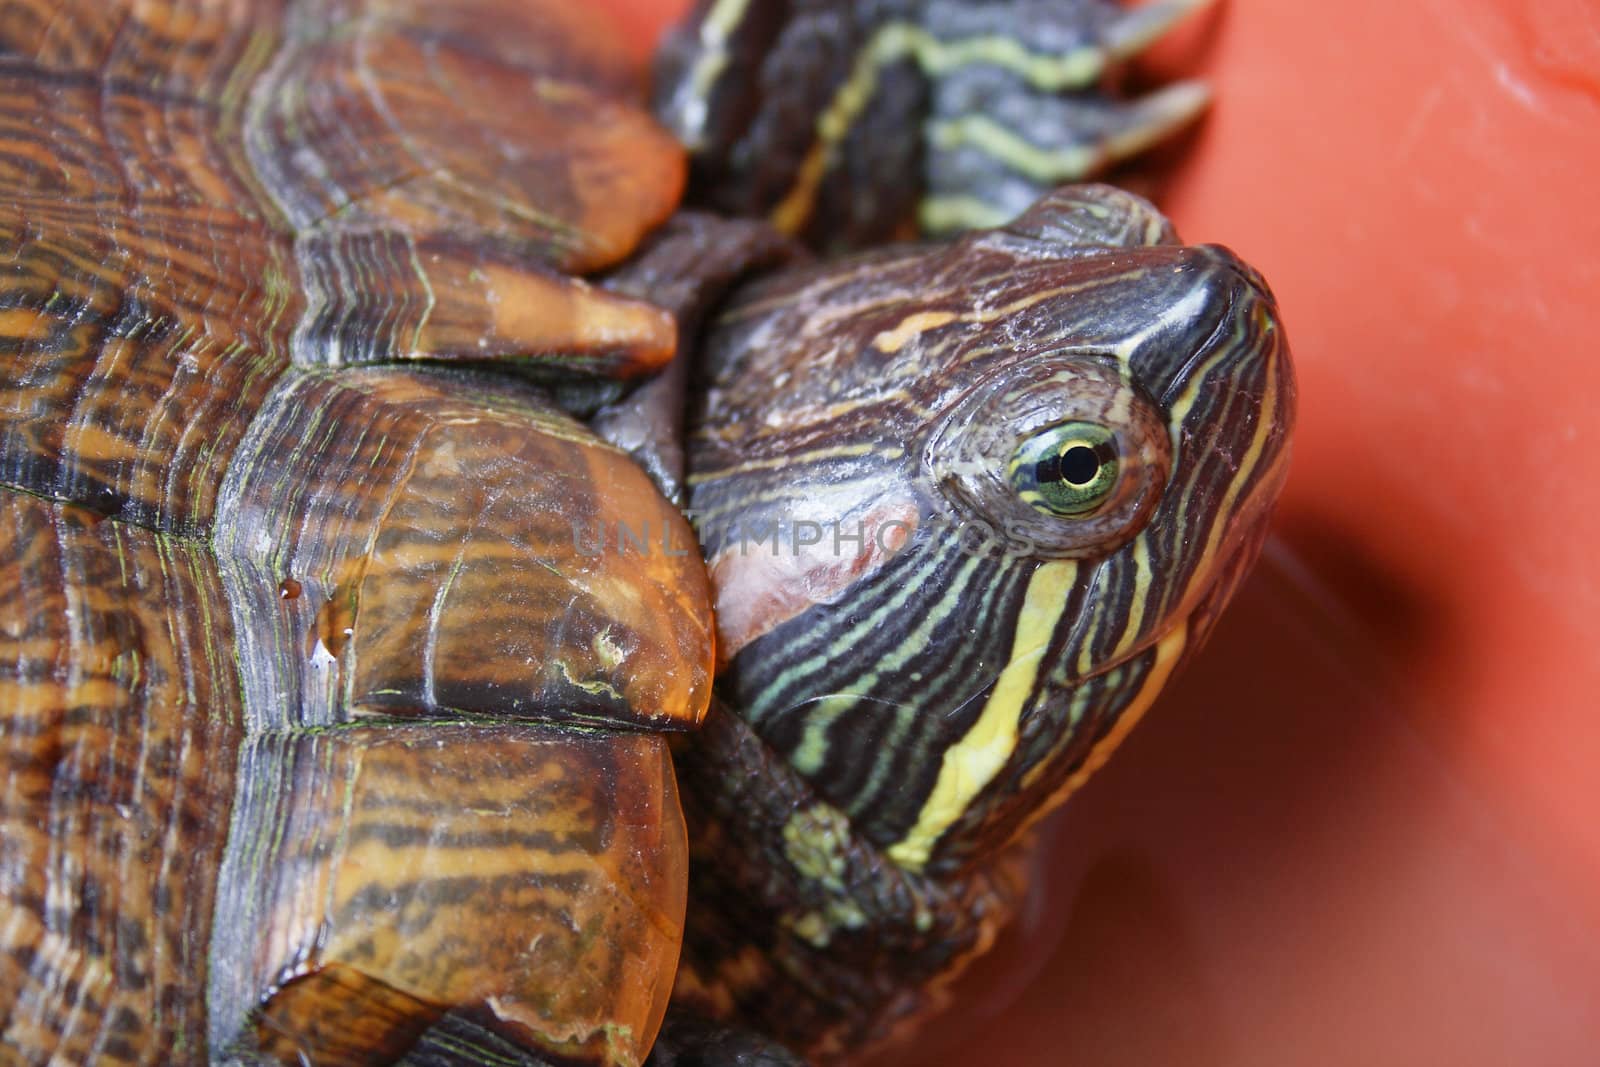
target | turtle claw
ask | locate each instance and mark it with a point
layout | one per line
(1054, 140)
(1138, 28)
(1152, 118)
(984, 171)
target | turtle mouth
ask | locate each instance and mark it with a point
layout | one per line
(1229, 575)
(1210, 590)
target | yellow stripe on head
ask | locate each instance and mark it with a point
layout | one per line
(972, 763)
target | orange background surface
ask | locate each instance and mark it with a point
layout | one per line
(1365, 827)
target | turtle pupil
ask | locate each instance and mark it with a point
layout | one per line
(1079, 465)
(1068, 470)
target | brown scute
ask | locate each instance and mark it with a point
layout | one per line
(483, 532)
(402, 133)
(472, 1037)
(117, 755)
(436, 539)
(485, 310)
(539, 874)
(338, 1017)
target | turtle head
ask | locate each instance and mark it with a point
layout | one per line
(967, 508)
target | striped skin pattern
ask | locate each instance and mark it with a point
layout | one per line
(278, 628)
(931, 702)
(802, 930)
(799, 110)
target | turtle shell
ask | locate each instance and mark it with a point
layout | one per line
(305, 687)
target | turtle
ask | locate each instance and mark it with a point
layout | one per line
(462, 592)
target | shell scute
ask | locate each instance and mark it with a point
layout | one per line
(355, 909)
(379, 120)
(449, 516)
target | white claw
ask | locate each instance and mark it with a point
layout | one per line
(1156, 116)
(1142, 26)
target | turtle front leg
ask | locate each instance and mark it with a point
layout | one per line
(855, 122)
(685, 269)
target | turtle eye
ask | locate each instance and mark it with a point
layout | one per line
(1068, 469)
(1061, 453)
